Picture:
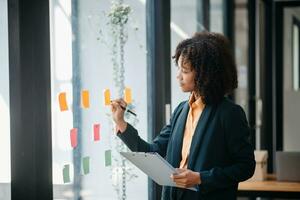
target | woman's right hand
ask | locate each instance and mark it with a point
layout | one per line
(118, 113)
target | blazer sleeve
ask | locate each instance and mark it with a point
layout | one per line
(241, 153)
(135, 143)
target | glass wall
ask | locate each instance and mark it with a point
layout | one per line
(5, 172)
(183, 25)
(291, 94)
(96, 47)
(241, 52)
(216, 18)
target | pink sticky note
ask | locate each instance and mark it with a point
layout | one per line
(96, 132)
(73, 137)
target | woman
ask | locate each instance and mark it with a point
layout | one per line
(207, 139)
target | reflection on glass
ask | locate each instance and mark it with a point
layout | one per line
(86, 162)
(183, 25)
(296, 54)
(241, 52)
(5, 173)
(291, 95)
(216, 16)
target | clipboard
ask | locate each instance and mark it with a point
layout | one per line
(152, 164)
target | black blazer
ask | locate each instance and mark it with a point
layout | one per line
(220, 150)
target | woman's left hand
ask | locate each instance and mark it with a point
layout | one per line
(186, 178)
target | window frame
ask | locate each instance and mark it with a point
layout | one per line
(30, 99)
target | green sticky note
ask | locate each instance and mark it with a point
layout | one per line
(86, 165)
(107, 158)
(66, 173)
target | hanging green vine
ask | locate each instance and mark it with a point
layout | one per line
(117, 23)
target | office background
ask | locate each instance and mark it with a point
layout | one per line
(54, 46)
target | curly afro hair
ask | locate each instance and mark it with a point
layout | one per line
(210, 56)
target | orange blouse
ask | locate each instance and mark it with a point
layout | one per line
(196, 108)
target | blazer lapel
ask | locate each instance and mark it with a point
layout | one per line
(198, 135)
(177, 136)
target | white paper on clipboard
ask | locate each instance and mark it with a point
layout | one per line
(152, 164)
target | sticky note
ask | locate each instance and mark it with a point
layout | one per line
(85, 99)
(66, 173)
(127, 95)
(86, 165)
(96, 132)
(107, 158)
(63, 101)
(73, 137)
(106, 97)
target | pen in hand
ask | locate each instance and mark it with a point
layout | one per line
(131, 112)
(128, 110)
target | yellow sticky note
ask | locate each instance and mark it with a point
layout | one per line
(63, 101)
(127, 95)
(106, 97)
(85, 99)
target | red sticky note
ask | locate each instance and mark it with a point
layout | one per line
(96, 132)
(73, 137)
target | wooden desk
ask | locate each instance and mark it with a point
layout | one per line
(269, 188)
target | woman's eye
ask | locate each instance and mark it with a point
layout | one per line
(183, 70)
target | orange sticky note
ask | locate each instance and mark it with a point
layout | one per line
(106, 97)
(73, 137)
(127, 95)
(96, 132)
(85, 99)
(62, 98)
